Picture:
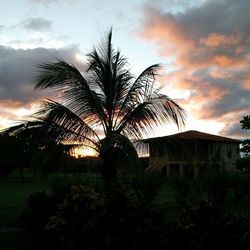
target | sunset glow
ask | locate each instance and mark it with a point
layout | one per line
(83, 151)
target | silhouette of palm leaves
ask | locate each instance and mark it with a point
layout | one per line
(106, 97)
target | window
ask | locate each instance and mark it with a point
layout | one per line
(217, 152)
(229, 152)
(152, 150)
(237, 150)
(161, 151)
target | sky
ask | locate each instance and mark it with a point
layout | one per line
(203, 45)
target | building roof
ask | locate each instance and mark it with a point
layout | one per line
(196, 135)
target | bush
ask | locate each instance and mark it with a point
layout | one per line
(84, 165)
(119, 222)
(81, 217)
(217, 188)
(75, 218)
(146, 186)
(204, 226)
(40, 206)
(189, 191)
(243, 164)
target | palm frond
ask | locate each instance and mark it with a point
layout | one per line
(107, 68)
(32, 132)
(137, 122)
(75, 89)
(59, 74)
(153, 112)
(140, 90)
(70, 127)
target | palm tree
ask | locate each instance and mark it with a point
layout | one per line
(104, 107)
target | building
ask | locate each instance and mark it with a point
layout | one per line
(191, 153)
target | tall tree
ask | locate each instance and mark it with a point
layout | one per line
(105, 100)
(32, 145)
(245, 124)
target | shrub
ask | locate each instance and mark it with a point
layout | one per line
(81, 217)
(40, 206)
(119, 222)
(217, 188)
(74, 217)
(147, 186)
(205, 226)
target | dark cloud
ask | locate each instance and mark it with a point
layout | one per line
(234, 128)
(18, 69)
(37, 24)
(210, 45)
(17, 80)
(222, 95)
(217, 32)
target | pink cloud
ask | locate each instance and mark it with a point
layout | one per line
(216, 40)
(211, 50)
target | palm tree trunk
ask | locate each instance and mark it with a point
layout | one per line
(108, 169)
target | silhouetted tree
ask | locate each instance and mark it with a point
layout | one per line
(244, 163)
(107, 98)
(13, 155)
(31, 145)
(245, 124)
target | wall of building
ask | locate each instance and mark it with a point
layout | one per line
(229, 156)
(219, 155)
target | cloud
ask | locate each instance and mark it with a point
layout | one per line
(210, 46)
(37, 24)
(216, 40)
(233, 127)
(17, 69)
(42, 1)
(17, 77)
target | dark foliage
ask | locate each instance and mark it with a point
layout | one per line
(12, 153)
(245, 124)
(147, 186)
(84, 219)
(217, 188)
(84, 165)
(81, 217)
(206, 227)
(40, 206)
(34, 149)
(243, 164)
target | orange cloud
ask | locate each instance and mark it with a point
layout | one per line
(165, 31)
(227, 61)
(246, 83)
(215, 40)
(211, 52)
(219, 73)
(12, 112)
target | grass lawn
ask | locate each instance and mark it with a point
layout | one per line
(14, 192)
(167, 202)
(13, 197)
